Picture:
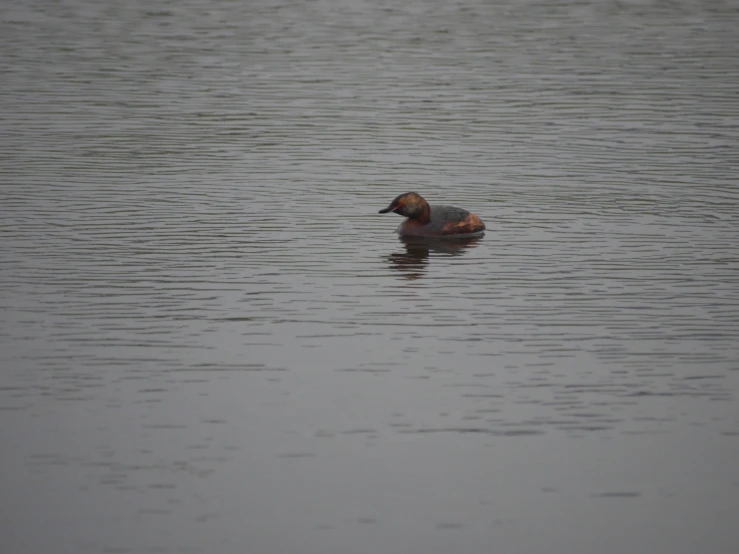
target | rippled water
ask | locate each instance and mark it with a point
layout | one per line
(211, 341)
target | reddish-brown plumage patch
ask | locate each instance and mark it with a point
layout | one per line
(413, 228)
(470, 224)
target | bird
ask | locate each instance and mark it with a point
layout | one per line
(432, 221)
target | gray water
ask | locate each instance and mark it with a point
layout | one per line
(212, 343)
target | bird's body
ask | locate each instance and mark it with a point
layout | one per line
(432, 221)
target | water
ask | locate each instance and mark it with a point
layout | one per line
(211, 342)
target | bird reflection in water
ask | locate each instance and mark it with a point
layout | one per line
(413, 261)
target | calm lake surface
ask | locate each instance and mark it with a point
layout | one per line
(212, 343)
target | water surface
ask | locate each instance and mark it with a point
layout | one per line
(211, 342)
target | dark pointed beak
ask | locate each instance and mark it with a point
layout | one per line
(390, 208)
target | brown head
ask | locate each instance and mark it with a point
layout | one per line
(411, 205)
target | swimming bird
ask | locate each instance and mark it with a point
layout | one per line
(432, 221)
